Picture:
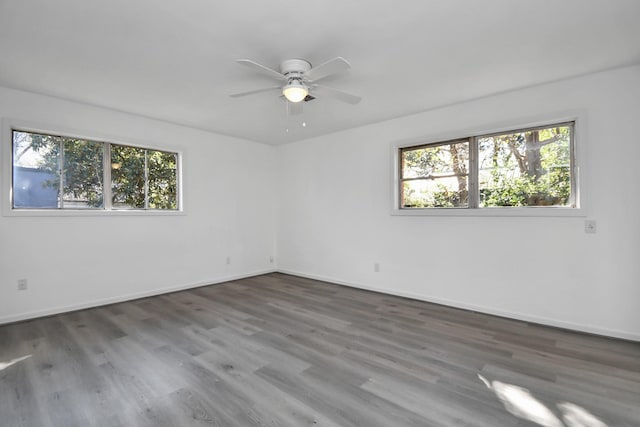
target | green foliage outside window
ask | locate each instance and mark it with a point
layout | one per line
(83, 177)
(522, 168)
(138, 174)
(530, 168)
(140, 178)
(162, 192)
(437, 176)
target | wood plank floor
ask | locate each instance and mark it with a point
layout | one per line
(279, 350)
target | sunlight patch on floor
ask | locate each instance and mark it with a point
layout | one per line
(576, 416)
(519, 402)
(5, 365)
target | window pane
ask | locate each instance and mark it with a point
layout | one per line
(83, 173)
(127, 177)
(434, 193)
(432, 161)
(529, 168)
(162, 180)
(35, 170)
(442, 176)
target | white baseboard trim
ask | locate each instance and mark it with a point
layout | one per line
(631, 336)
(451, 303)
(122, 298)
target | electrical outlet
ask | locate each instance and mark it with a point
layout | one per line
(271, 259)
(590, 226)
(376, 267)
(228, 260)
(22, 284)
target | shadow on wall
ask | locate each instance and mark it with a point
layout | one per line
(521, 403)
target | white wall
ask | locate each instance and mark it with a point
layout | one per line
(73, 262)
(334, 217)
(330, 201)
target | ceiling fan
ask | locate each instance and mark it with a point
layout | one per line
(300, 80)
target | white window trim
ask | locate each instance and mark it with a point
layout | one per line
(6, 164)
(579, 153)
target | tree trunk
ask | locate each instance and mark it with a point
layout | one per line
(532, 148)
(459, 168)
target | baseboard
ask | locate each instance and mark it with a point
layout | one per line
(122, 298)
(630, 336)
(427, 298)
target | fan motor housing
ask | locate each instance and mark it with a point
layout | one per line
(294, 66)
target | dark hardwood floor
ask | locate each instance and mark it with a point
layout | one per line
(279, 350)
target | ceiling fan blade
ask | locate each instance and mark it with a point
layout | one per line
(261, 68)
(337, 94)
(332, 66)
(251, 92)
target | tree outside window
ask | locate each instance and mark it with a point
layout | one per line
(56, 172)
(523, 168)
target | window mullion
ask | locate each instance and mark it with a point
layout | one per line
(106, 176)
(61, 173)
(146, 179)
(473, 173)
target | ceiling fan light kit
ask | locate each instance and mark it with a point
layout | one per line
(295, 91)
(301, 79)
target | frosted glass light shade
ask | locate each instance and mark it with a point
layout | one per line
(295, 92)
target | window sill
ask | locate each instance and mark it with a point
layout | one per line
(87, 212)
(493, 212)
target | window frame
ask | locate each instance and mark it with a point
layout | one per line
(6, 162)
(577, 153)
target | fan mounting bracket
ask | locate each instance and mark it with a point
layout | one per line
(292, 67)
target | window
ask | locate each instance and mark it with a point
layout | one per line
(143, 179)
(58, 172)
(436, 175)
(521, 168)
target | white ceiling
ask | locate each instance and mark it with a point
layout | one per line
(175, 60)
